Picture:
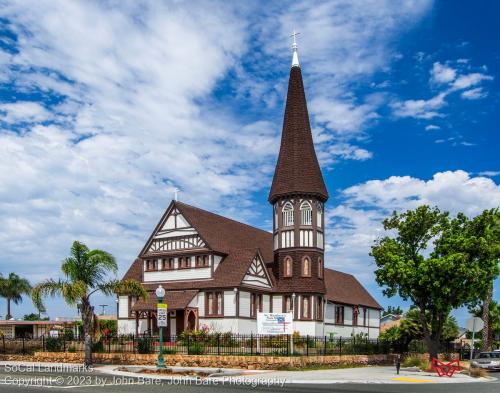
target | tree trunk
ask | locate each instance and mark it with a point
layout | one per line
(487, 331)
(87, 315)
(8, 316)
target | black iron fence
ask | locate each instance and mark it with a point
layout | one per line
(226, 344)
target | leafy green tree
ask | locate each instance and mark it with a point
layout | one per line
(392, 310)
(85, 273)
(12, 288)
(437, 280)
(34, 317)
(486, 231)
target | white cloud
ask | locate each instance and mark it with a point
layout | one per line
(23, 112)
(489, 173)
(432, 127)
(441, 73)
(356, 222)
(469, 80)
(474, 94)
(344, 151)
(419, 109)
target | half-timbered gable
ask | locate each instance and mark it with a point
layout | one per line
(257, 274)
(174, 233)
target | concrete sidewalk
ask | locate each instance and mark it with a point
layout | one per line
(368, 375)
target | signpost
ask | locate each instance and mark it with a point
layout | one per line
(474, 325)
(161, 320)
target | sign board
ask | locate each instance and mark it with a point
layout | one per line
(161, 314)
(274, 323)
(474, 325)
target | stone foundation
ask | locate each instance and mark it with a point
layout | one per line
(244, 362)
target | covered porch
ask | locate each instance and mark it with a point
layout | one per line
(180, 316)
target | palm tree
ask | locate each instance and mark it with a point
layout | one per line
(12, 289)
(85, 273)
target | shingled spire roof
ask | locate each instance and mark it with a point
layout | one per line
(297, 170)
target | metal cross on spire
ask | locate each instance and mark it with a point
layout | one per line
(295, 56)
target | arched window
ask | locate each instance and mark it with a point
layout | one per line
(275, 216)
(320, 268)
(319, 215)
(287, 214)
(306, 307)
(287, 268)
(305, 213)
(287, 307)
(306, 267)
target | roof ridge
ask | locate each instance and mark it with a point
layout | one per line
(224, 217)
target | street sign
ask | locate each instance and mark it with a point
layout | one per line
(474, 325)
(161, 314)
(274, 323)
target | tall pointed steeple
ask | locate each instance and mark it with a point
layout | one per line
(297, 170)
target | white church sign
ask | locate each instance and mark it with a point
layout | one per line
(274, 323)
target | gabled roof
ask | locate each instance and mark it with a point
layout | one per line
(297, 169)
(225, 235)
(345, 288)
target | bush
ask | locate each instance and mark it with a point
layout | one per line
(196, 349)
(72, 349)
(53, 344)
(169, 351)
(98, 347)
(412, 362)
(144, 345)
(69, 335)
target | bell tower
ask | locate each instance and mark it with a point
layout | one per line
(298, 194)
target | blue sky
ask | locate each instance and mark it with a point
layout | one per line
(106, 107)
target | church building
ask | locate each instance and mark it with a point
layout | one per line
(220, 273)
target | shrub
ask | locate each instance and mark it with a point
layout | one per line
(478, 372)
(98, 347)
(53, 344)
(412, 362)
(170, 351)
(69, 335)
(144, 345)
(196, 349)
(72, 349)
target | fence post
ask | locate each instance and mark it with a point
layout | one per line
(3, 341)
(307, 345)
(188, 343)
(324, 346)
(218, 344)
(64, 343)
(23, 346)
(43, 343)
(109, 344)
(340, 346)
(251, 343)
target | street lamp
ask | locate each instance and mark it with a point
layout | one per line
(160, 294)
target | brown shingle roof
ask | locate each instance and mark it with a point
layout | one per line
(176, 300)
(225, 235)
(344, 288)
(297, 170)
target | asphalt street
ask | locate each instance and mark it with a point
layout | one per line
(14, 382)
